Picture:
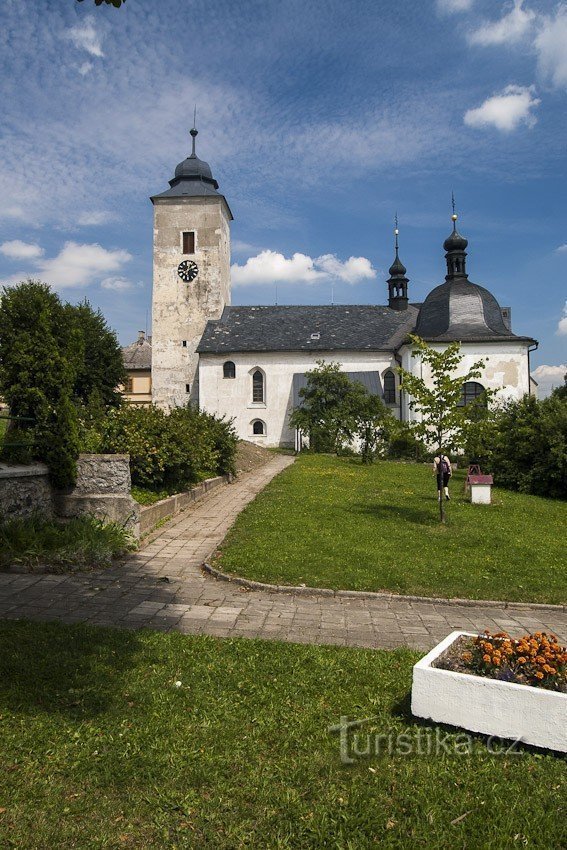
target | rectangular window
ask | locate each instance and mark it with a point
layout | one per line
(184, 343)
(189, 242)
(187, 388)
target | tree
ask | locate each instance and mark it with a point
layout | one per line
(327, 412)
(561, 392)
(39, 352)
(373, 422)
(438, 399)
(530, 446)
(100, 369)
(116, 3)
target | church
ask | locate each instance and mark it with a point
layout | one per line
(249, 363)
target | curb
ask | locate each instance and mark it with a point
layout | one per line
(367, 594)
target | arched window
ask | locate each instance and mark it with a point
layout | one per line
(258, 387)
(471, 390)
(258, 427)
(229, 369)
(389, 388)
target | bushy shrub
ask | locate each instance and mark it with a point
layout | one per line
(168, 451)
(530, 446)
(403, 444)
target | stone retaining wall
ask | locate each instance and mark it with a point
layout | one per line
(150, 515)
(102, 490)
(24, 490)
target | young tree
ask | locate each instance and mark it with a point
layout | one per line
(438, 400)
(327, 412)
(100, 369)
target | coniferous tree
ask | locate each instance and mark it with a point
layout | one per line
(100, 368)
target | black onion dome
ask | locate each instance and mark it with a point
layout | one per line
(195, 168)
(455, 242)
(460, 310)
(397, 268)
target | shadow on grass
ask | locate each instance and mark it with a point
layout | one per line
(74, 670)
(419, 516)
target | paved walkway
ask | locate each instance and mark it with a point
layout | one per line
(162, 587)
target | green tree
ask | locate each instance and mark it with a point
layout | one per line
(530, 446)
(373, 422)
(327, 411)
(100, 368)
(438, 397)
(116, 3)
(38, 369)
(561, 392)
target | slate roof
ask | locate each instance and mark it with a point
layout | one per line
(138, 355)
(358, 327)
(370, 380)
(461, 310)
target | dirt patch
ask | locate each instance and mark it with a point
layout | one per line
(250, 456)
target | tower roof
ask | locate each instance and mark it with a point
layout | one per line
(193, 177)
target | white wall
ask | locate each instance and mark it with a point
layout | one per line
(233, 397)
(505, 369)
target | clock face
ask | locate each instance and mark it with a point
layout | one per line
(187, 270)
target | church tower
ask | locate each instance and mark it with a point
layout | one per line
(191, 279)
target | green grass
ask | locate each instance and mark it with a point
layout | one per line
(332, 522)
(101, 750)
(80, 542)
(148, 497)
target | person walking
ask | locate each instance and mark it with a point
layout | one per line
(442, 469)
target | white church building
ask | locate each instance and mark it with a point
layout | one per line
(249, 363)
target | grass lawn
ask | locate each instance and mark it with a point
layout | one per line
(332, 522)
(99, 749)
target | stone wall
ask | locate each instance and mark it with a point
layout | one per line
(24, 490)
(102, 490)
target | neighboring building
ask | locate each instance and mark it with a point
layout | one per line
(248, 363)
(138, 364)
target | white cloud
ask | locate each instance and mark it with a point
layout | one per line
(85, 68)
(85, 37)
(352, 270)
(551, 47)
(510, 29)
(561, 248)
(96, 217)
(273, 267)
(548, 378)
(118, 284)
(505, 111)
(449, 7)
(562, 325)
(75, 266)
(18, 250)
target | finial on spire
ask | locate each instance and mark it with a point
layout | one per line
(396, 232)
(194, 132)
(454, 216)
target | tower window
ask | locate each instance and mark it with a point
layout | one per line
(258, 427)
(389, 388)
(257, 387)
(470, 392)
(187, 388)
(184, 343)
(189, 242)
(229, 369)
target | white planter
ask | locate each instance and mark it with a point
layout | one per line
(504, 709)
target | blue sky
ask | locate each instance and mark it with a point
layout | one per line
(320, 121)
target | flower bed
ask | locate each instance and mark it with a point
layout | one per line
(478, 683)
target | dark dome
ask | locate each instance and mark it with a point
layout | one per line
(455, 242)
(194, 167)
(397, 268)
(460, 310)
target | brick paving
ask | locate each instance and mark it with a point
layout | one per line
(162, 587)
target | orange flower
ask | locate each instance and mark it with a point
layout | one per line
(522, 659)
(539, 675)
(486, 658)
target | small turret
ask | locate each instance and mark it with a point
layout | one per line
(397, 282)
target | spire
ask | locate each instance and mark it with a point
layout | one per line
(455, 248)
(397, 282)
(194, 133)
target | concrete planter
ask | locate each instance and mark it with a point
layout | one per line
(503, 709)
